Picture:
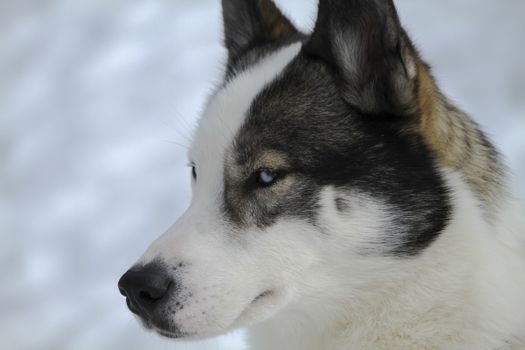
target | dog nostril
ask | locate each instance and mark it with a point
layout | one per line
(154, 293)
(146, 296)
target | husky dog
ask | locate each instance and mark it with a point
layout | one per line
(340, 201)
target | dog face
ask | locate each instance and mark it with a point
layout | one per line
(307, 171)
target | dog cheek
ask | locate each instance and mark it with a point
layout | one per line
(285, 251)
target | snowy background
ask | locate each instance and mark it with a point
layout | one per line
(97, 102)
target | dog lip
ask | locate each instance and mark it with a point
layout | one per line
(172, 334)
(168, 334)
(266, 293)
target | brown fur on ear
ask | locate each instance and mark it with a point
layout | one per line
(278, 26)
(429, 116)
(457, 141)
(249, 24)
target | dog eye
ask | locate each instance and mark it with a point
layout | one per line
(266, 177)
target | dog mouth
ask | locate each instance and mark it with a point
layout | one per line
(168, 332)
(171, 334)
(267, 293)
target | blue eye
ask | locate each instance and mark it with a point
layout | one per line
(266, 177)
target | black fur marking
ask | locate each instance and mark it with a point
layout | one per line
(327, 143)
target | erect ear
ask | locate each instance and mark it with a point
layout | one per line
(252, 23)
(374, 60)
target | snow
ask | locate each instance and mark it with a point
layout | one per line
(97, 103)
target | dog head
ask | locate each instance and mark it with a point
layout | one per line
(308, 173)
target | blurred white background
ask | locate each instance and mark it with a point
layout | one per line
(97, 103)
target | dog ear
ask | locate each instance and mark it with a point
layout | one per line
(374, 59)
(252, 23)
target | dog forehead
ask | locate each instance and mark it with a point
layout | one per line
(228, 108)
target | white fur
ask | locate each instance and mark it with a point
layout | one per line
(331, 288)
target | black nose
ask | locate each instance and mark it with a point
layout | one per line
(144, 288)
